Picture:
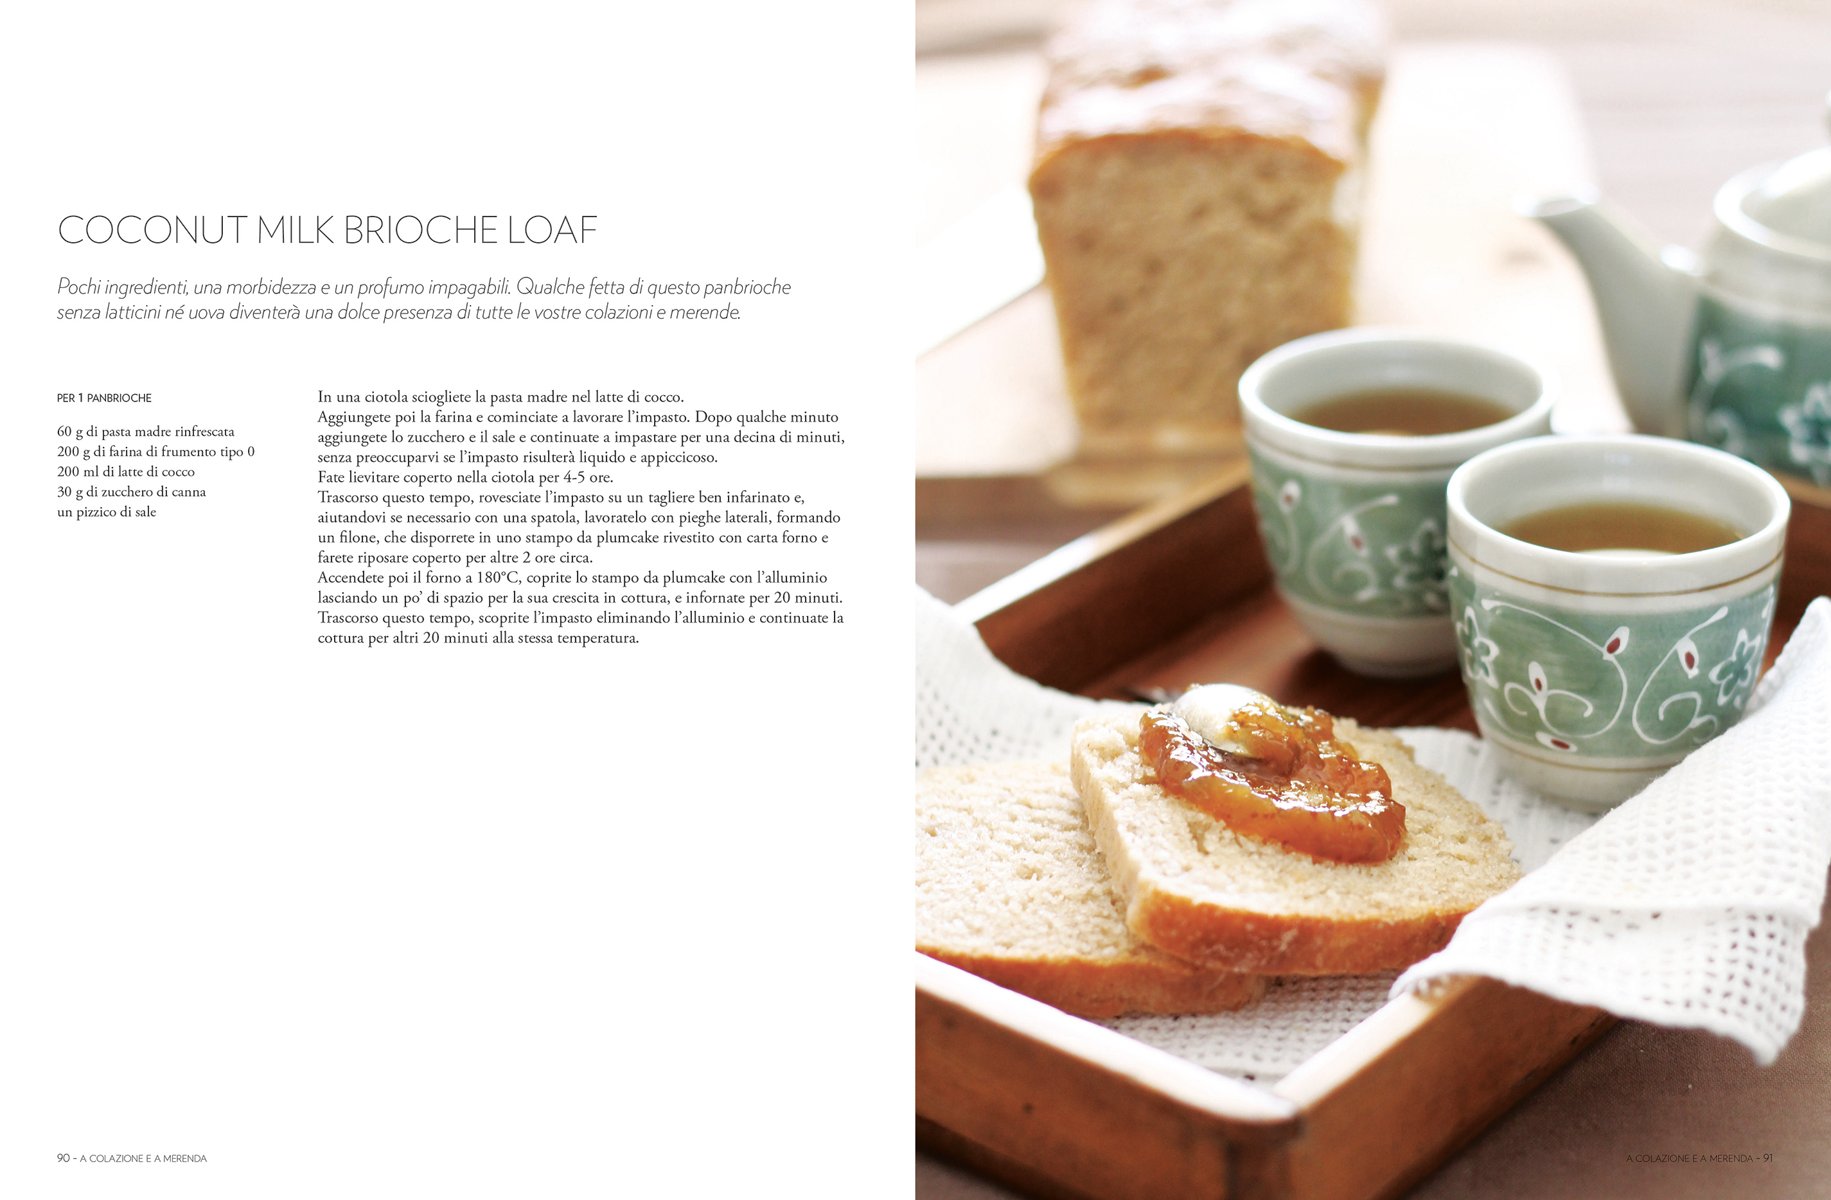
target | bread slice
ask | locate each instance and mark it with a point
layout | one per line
(1196, 889)
(1010, 887)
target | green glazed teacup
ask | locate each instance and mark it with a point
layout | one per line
(1592, 673)
(1353, 523)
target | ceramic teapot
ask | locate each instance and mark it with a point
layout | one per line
(1732, 346)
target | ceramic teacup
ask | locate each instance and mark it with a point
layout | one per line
(1353, 523)
(1591, 673)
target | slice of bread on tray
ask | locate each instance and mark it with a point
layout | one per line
(1198, 890)
(1010, 886)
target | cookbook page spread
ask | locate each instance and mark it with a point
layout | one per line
(457, 492)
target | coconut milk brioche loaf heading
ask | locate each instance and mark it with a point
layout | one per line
(1196, 194)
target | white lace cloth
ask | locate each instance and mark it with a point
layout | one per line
(1688, 905)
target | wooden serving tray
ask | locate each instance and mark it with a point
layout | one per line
(1061, 1107)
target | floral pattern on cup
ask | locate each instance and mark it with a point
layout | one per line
(1761, 388)
(1808, 426)
(1477, 652)
(1370, 548)
(1582, 683)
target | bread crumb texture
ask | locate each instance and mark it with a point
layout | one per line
(1197, 192)
(1010, 886)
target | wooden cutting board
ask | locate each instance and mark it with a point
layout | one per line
(1464, 129)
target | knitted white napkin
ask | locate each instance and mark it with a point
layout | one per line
(1733, 864)
(1690, 904)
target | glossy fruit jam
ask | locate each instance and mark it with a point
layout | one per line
(1289, 780)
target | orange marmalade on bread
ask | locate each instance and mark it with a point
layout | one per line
(1278, 773)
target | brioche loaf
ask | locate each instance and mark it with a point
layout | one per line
(1196, 192)
(1010, 887)
(1200, 891)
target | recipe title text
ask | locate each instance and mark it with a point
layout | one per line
(348, 230)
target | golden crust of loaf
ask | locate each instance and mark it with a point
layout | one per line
(1114, 989)
(1010, 886)
(1304, 70)
(1196, 889)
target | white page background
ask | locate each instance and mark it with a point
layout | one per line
(451, 921)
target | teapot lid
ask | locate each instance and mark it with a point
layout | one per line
(1785, 207)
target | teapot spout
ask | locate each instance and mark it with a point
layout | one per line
(1644, 296)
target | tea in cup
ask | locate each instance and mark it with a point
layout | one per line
(1353, 436)
(1612, 598)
